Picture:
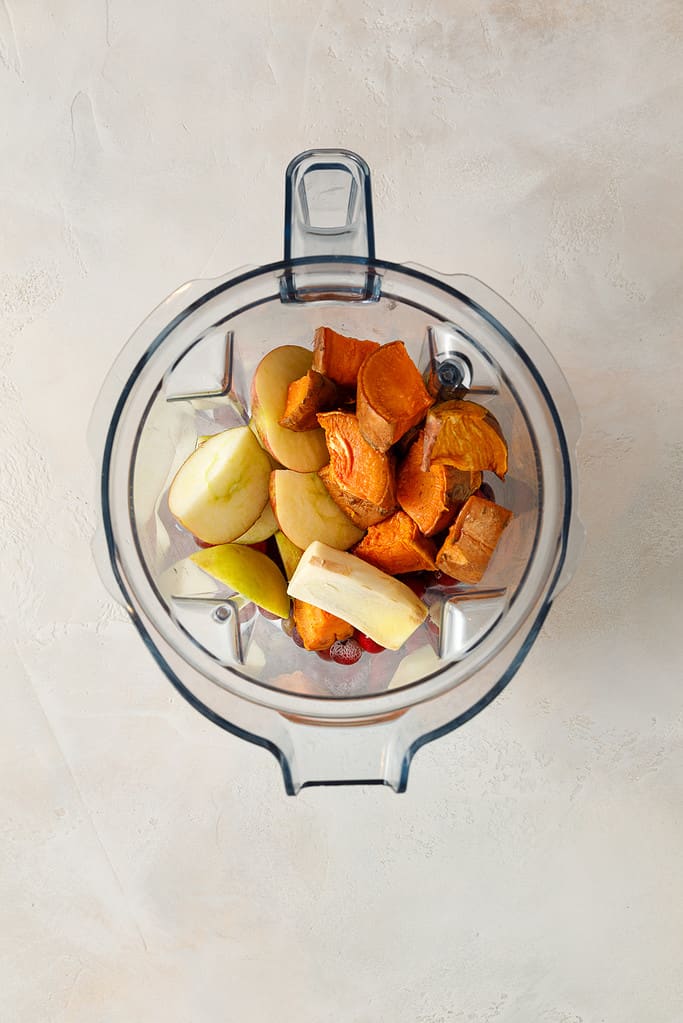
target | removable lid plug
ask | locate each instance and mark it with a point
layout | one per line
(328, 213)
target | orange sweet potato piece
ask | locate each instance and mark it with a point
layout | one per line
(361, 512)
(396, 545)
(319, 629)
(472, 539)
(339, 357)
(391, 396)
(358, 478)
(306, 397)
(431, 497)
(465, 435)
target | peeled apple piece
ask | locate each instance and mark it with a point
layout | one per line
(373, 602)
(222, 488)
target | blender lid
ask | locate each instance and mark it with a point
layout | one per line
(187, 372)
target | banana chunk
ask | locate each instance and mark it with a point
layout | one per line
(382, 607)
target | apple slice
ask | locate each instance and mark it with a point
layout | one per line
(383, 608)
(222, 488)
(303, 452)
(305, 511)
(264, 527)
(248, 572)
(289, 553)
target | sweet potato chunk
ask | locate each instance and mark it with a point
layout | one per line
(432, 497)
(339, 357)
(319, 629)
(396, 545)
(358, 478)
(305, 398)
(466, 436)
(391, 396)
(472, 539)
(361, 512)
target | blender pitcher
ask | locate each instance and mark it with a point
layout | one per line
(186, 373)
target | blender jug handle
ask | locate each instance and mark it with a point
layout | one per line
(328, 205)
(328, 215)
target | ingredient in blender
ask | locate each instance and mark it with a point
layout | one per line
(371, 464)
(472, 538)
(254, 575)
(346, 651)
(358, 478)
(306, 512)
(375, 603)
(264, 527)
(465, 435)
(306, 397)
(391, 395)
(319, 629)
(432, 496)
(289, 553)
(339, 357)
(222, 487)
(396, 546)
(302, 451)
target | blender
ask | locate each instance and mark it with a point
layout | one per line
(186, 373)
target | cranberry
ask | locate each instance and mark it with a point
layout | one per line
(268, 614)
(416, 581)
(261, 547)
(324, 655)
(246, 613)
(442, 579)
(368, 644)
(346, 651)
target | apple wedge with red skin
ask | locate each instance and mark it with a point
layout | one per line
(301, 451)
(221, 490)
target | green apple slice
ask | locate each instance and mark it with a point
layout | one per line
(305, 511)
(248, 572)
(222, 488)
(377, 604)
(289, 553)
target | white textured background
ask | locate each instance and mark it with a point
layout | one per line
(151, 867)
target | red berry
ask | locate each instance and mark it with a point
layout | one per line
(269, 614)
(261, 547)
(441, 579)
(346, 651)
(324, 655)
(246, 613)
(416, 581)
(368, 644)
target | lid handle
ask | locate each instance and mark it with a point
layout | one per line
(328, 206)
